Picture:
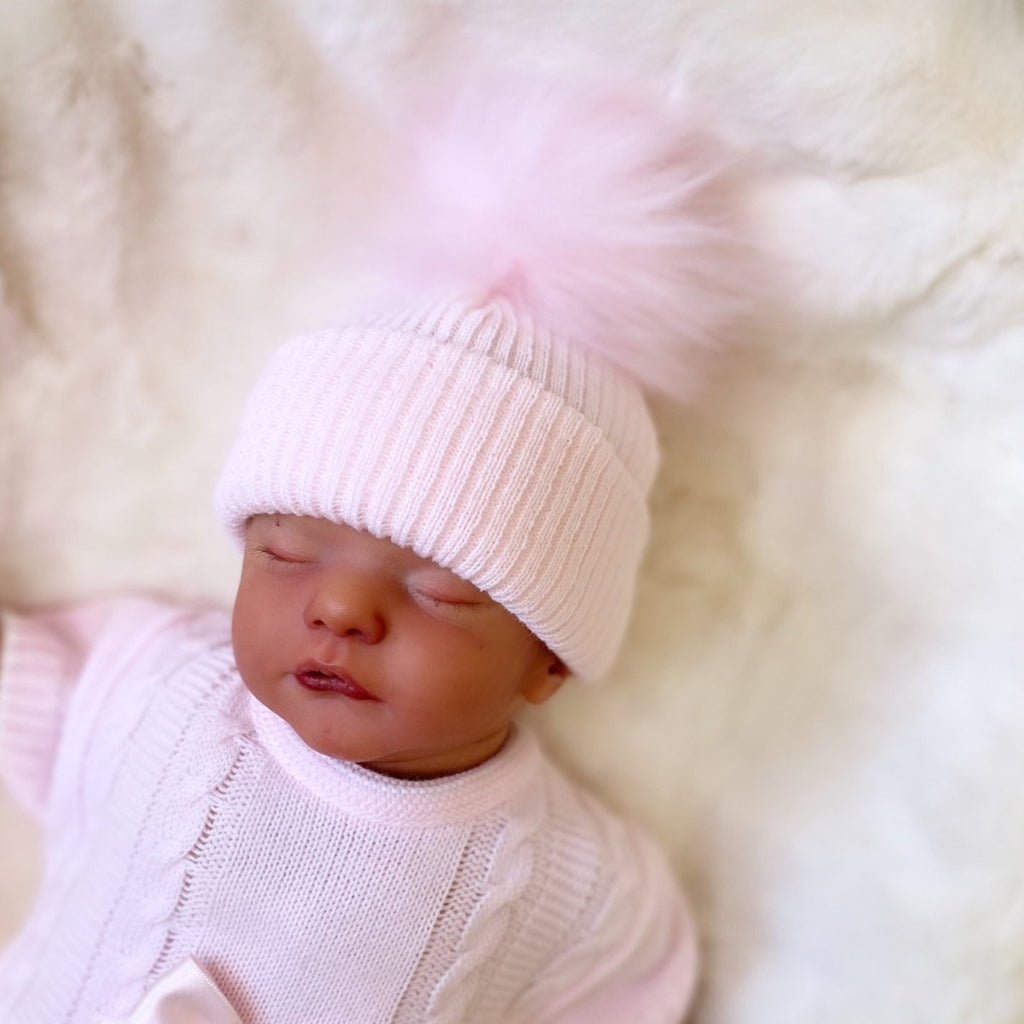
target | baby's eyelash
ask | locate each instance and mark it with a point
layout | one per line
(440, 602)
(275, 556)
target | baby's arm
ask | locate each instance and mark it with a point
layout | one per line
(41, 657)
(639, 964)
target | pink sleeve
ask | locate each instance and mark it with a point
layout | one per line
(43, 655)
(642, 964)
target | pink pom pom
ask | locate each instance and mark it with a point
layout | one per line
(588, 205)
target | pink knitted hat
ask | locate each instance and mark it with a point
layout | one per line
(569, 246)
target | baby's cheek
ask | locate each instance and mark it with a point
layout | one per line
(250, 641)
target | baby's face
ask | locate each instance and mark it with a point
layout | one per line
(375, 655)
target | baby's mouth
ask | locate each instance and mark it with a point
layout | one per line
(321, 679)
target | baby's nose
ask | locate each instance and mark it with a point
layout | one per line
(348, 606)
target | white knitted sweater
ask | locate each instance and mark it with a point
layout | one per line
(183, 819)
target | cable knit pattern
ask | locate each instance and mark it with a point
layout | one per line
(186, 820)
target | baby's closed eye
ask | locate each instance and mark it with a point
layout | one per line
(279, 556)
(445, 591)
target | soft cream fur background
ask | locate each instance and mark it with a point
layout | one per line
(821, 708)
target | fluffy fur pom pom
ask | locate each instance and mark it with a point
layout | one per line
(587, 204)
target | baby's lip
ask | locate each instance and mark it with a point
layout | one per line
(321, 678)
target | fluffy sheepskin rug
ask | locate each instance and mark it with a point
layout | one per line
(820, 709)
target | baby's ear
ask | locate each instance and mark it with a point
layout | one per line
(545, 685)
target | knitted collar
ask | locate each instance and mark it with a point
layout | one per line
(362, 793)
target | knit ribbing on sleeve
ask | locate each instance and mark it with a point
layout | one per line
(43, 655)
(640, 961)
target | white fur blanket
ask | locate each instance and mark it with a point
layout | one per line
(821, 707)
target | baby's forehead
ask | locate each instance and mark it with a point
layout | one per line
(326, 536)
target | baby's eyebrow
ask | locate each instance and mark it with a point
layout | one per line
(284, 523)
(445, 577)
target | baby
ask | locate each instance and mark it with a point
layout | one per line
(322, 810)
